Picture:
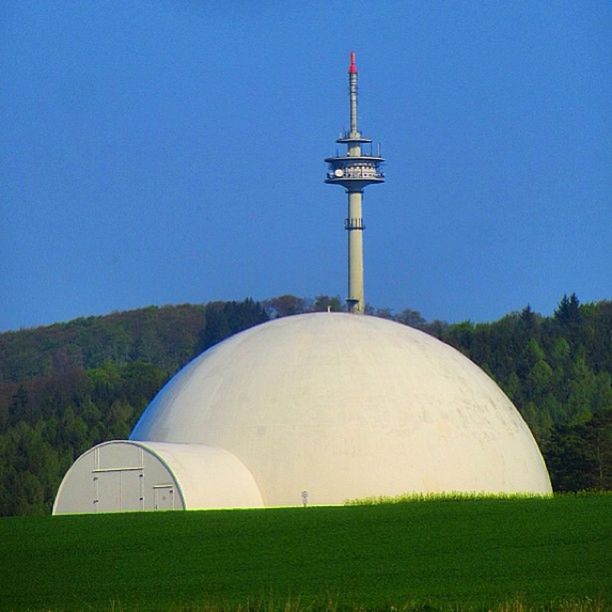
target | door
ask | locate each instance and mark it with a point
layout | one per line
(117, 490)
(164, 497)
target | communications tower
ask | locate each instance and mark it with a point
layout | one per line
(354, 171)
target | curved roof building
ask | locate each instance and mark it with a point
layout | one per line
(337, 405)
(346, 406)
(126, 476)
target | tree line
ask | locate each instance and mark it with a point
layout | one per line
(68, 386)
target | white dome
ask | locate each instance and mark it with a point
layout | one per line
(347, 406)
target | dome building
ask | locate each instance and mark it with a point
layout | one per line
(337, 405)
(347, 406)
(316, 408)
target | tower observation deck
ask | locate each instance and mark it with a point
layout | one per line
(354, 171)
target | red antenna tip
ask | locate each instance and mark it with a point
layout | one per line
(352, 67)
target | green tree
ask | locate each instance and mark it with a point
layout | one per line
(20, 406)
(568, 311)
(226, 318)
(579, 456)
(410, 317)
(284, 306)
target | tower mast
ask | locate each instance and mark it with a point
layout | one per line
(354, 171)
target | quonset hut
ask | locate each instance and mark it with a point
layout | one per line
(319, 407)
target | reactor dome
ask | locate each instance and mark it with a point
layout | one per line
(329, 407)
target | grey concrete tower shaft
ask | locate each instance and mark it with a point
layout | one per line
(354, 225)
(354, 171)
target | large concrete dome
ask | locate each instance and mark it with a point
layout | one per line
(346, 406)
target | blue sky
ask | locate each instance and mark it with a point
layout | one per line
(167, 152)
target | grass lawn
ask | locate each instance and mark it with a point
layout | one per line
(452, 554)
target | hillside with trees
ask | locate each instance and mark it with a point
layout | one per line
(68, 386)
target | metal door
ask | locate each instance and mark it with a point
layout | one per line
(164, 497)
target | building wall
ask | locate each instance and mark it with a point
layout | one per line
(118, 476)
(126, 476)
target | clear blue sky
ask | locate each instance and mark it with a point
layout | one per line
(171, 151)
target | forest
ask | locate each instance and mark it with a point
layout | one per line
(68, 386)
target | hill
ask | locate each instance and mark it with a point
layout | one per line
(448, 554)
(68, 386)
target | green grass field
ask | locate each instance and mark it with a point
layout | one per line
(450, 554)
